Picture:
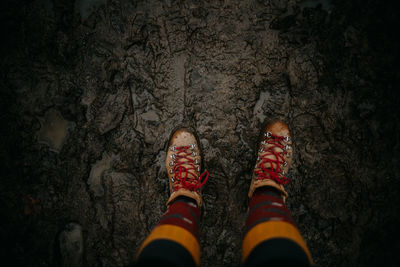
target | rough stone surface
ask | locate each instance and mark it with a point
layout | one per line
(71, 245)
(53, 130)
(126, 73)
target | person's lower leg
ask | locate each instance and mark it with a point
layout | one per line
(174, 241)
(271, 237)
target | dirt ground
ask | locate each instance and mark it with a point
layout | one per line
(91, 90)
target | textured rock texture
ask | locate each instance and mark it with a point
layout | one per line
(91, 90)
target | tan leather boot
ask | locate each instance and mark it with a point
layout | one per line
(275, 155)
(183, 164)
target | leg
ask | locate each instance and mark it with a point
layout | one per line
(271, 237)
(174, 241)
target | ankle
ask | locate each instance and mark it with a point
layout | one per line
(185, 199)
(264, 189)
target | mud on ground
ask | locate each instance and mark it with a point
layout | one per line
(90, 91)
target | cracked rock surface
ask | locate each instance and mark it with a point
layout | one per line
(91, 90)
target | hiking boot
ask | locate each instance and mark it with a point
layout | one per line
(183, 164)
(275, 154)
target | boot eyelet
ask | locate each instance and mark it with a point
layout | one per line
(287, 147)
(194, 154)
(171, 171)
(287, 139)
(171, 163)
(268, 134)
(192, 146)
(172, 148)
(172, 156)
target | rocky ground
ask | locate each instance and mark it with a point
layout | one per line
(91, 90)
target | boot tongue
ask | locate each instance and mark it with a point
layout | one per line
(187, 170)
(269, 148)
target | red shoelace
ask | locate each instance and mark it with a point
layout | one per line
(278, 160)
(186, 175)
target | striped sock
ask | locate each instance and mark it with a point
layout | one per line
(271, 235)
(183, 212)
(174, 240)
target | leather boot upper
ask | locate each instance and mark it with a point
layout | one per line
(183, 165)
(275, 155)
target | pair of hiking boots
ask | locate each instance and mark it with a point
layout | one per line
(183, 162)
